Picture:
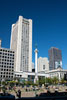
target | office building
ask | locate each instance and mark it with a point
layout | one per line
(32, 65)
(43, 64)
(21, 43)
(6, 63)
(55, 58)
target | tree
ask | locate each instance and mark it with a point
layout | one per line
(12, 83)
(55, 80)
(41, 81)
(48, 80)
(62, 81)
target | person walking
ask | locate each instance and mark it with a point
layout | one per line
(19, 94)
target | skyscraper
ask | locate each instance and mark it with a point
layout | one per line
(21, 43)
(55, 58)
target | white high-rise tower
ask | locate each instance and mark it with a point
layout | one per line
(21, 43)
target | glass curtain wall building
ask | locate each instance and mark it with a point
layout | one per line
(55, 58)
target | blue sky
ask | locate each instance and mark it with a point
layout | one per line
(49, 23)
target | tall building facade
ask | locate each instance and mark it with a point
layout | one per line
(32, 65)
(43, 64)
(21, 43)
(55, 58)
(6, 64)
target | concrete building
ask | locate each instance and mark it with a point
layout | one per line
(55, 58)
(43, 64)
(29, 75)
(21, 43)
(59, 73)
(6, 63)
(32, 65)
(33, 68)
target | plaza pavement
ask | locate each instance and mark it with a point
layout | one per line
(31, 93)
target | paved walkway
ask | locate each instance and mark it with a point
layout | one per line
(28, 94)
(33, 93)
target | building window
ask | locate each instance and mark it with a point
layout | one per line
(43, 66)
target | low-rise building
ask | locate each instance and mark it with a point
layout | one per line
(43, 64)
(59, 73)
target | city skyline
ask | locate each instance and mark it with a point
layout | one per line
(49, 23)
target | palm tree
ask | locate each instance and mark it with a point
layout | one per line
(55, 80)
(62, 81)
(49, 80)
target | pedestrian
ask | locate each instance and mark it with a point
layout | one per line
(26, 89)
(19, 94)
